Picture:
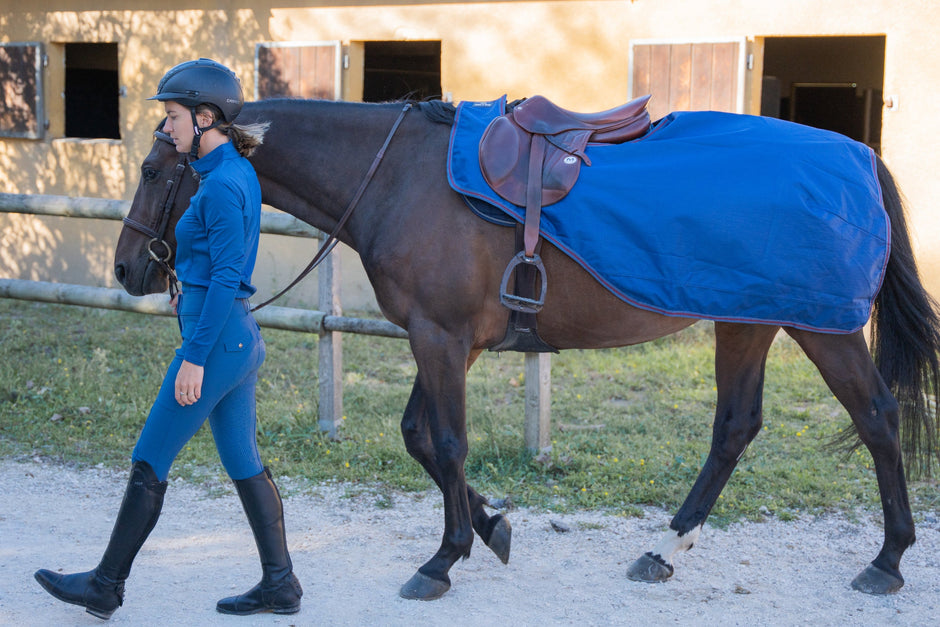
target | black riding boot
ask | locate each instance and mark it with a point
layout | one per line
(101, 591)
(278, 591)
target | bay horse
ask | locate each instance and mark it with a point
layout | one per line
(436, 270)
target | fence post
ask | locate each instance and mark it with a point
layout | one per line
(538, 401)
(330, 369)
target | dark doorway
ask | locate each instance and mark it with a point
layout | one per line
(395, 70)
(835, 83)
(91, 91)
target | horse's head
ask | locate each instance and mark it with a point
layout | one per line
(145, 255)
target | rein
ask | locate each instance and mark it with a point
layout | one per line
(159, 236)
(330, 242)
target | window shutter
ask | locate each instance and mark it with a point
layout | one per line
(21, 110)
(688, 76)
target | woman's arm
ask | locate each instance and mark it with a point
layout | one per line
(223, 216)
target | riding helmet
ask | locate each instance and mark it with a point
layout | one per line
(202, 81)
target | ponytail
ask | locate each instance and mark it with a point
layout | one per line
(247, 137)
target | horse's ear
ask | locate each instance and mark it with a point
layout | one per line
(158, 133)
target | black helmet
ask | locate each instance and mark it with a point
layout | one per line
(203, 81)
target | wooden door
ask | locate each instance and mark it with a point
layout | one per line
(688, 76)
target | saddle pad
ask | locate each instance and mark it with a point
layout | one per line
(717, 216)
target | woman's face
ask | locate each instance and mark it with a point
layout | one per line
(179, 125)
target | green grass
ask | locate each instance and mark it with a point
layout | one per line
(630, 426)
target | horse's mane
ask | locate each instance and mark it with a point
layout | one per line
(446, 113)
(438, 111)
(435, 110)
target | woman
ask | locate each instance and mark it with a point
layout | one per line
(215, 369)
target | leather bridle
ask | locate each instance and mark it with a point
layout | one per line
(158, 236)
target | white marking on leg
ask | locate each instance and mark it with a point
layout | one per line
(674, 543)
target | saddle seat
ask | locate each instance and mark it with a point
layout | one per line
(540, 115)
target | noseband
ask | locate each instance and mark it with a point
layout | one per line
(159, 236)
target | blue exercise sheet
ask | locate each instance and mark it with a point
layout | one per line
(714, 215)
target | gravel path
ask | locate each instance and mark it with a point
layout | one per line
(352, 556)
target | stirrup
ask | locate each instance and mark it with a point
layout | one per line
(520, 303)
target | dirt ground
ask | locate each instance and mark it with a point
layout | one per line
(352, 555)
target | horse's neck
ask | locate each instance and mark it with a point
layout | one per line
(315, 156)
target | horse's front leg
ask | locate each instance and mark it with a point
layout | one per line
(740, 355)
(441, 360)
(495, 531)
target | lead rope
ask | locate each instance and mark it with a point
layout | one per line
(330, 242)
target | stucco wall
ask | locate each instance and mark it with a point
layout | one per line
(575, 52)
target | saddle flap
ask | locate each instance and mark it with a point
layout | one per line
(504, 160)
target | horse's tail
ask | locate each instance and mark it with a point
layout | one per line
(906, 340)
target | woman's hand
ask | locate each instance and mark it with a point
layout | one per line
(189, 383)
(174, 300)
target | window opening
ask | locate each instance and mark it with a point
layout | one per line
(834, 83)
(395, 70)
(91, 91)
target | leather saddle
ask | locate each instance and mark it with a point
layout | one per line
(512, 145)
(531, 157)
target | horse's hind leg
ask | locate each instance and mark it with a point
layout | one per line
(740, 355)
(495, 531)
(846, 365)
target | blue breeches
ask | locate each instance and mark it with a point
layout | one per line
(227, 400)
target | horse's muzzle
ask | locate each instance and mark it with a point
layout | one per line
(145, 278)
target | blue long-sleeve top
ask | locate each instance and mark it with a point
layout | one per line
(217, 242)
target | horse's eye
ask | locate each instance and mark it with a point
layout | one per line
(150, 175)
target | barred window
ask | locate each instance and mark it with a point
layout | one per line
(91, 91)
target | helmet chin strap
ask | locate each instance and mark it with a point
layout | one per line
(198, 131)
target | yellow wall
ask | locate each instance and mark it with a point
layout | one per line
(575, 52)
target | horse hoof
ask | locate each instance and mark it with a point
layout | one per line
(874, 580)
(500, 538)
(424, 588)
(649, 569)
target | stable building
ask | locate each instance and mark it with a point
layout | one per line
(74, 78)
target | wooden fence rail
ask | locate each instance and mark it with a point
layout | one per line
(324, 323)
(273, 317)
